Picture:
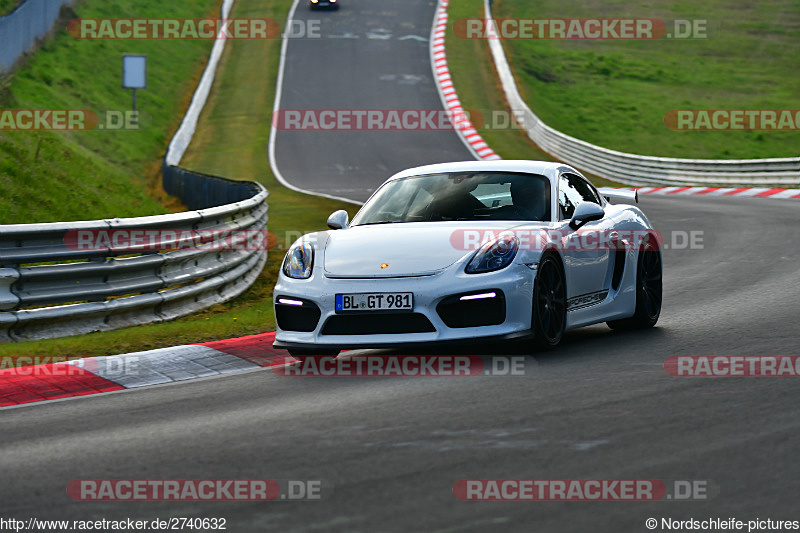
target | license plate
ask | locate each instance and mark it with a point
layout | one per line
(375, 301)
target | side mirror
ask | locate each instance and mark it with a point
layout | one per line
(338, 219)
(586, 212)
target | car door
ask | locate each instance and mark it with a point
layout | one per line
(586, 258)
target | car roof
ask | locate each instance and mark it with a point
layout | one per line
(544, 168)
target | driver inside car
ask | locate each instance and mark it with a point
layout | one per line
(455, 202)
(530, 200)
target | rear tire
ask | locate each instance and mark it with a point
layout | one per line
(549, 303)
(648, 290)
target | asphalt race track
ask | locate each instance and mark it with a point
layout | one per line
(373, 55)
(599, 407)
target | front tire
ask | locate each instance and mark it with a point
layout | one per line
(549, 303)
(648, 290)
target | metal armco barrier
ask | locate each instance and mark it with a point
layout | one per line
(635, 169)
(29, 21)
(197, 190)
(119, 288)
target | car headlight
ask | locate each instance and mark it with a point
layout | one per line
(493, 255)
(299, 260)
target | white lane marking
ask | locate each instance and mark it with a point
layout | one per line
(414, 37)
(380, 33)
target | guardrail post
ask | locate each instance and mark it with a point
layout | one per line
(8, 300)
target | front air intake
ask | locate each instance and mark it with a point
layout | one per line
(483, 308)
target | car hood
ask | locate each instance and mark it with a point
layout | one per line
(407, 249)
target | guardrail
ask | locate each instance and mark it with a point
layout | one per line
(30, 20)
(635, 169)
(118, 288)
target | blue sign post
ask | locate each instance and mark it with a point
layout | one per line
(134, 75)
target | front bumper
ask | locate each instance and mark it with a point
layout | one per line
(433, 306)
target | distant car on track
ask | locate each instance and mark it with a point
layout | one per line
(470, 251)
(332, 4)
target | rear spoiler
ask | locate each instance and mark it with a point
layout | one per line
(619, 194)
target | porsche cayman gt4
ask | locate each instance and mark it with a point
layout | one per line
(471, 251)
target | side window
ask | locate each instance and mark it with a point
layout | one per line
(568, 197)
(572, 191)
(588, 193)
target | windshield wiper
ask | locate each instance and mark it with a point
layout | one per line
(376, 223)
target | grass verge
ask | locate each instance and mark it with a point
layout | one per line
(7, 6)
(478, 87)
(231, 141)
(615, 93)
(474, 78)
(49, 176)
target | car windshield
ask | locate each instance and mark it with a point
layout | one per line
(459, 196)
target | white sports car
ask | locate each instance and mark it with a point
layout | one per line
(470, 251)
